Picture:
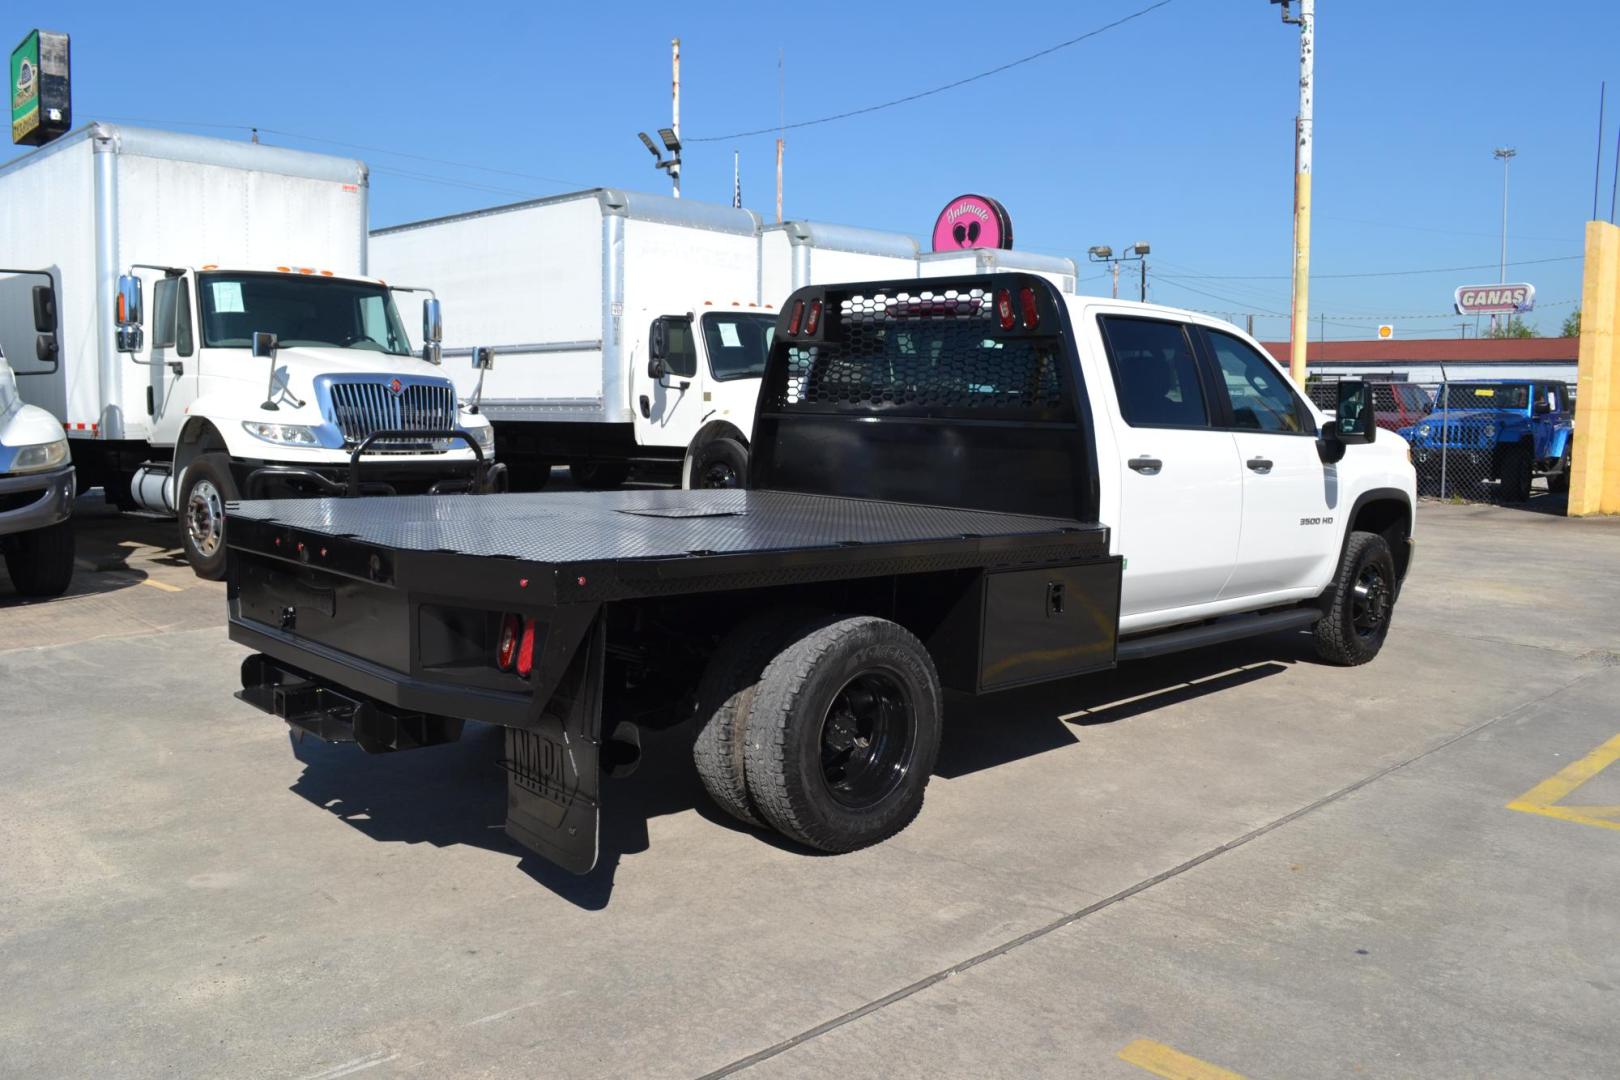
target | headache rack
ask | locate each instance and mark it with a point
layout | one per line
(961, 391)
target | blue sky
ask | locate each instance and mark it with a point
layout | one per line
(1174, 128)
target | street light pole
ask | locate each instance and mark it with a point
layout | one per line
(1505, 154)
(1299, 329)
(675, 107)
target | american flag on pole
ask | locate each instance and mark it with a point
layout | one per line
(736, 182)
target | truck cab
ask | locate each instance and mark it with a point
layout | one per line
(36, 494)
(267, 381)
(1507, 430)
(700, 384)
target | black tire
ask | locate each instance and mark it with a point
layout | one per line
(719, 463)
(843, 734)
(527, 475)
(40, 561)
(205, 490)
(725, 697)
(1515, 472)
(1558, 482)
(599, 475)
(1362, 599)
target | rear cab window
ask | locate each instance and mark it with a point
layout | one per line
(1155, 372)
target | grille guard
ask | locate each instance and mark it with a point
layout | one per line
(480, 466)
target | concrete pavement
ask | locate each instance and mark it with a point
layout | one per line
(1238, 855)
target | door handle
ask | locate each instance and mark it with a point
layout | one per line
(1259, 464)
(1147, 466)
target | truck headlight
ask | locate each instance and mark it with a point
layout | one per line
(284, 434)
(1423, 431)
(1489, 429)
(485, 434)
(41, 456)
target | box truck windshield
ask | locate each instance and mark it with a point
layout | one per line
(738, 344)
(308, 311)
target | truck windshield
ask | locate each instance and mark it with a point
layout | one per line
(738, 343)
(1483, 396)
(300, 311)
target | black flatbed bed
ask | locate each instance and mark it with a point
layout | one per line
(661, 542)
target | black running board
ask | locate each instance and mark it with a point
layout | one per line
(1231, 628)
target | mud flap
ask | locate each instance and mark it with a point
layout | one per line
(553, 773)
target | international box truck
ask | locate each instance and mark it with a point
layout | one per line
(572, 290)
(196, 313)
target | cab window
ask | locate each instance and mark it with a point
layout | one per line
(680, 352)
(738, 344)
(1261, 397)
(171, 300)
(1155, 372)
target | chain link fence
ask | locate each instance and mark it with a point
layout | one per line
(1459, 445)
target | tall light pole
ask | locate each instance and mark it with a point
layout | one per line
(1136, 252)
(1299, 329)
(1505, 154)
(673, 141)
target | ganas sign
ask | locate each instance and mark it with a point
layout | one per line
(1495, 299)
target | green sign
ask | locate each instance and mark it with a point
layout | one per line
(25, 88)
(41, 92)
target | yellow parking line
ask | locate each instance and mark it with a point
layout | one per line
(1544, 797)
(1161, 1060)
(161, 585)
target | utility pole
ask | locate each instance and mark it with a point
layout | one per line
(1249, 324)
(1300, 329)
(736, 180)
(1144, 281)
(780, 145)
(1505, 154)
(675, 108)
(1116, 280)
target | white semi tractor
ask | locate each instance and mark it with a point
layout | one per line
(196, 314)
(632, 328)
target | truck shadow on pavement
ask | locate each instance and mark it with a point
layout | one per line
(456, 794)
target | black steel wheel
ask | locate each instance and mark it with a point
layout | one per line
(40, 562)
(1515, 470)
(1361, 601)
(843, 734)
(719, 463)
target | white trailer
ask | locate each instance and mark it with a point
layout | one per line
(572, 292)
(269, 355)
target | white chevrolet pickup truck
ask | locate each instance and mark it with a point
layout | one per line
(971, 484)
(36, 494)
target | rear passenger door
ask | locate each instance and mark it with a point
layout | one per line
(1179, 477)
(1290, 498)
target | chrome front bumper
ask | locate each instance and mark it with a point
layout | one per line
(36, 500)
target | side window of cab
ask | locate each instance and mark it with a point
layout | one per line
(1262, 397)
(1155, 372)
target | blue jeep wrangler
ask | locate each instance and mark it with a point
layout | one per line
(1496, 429)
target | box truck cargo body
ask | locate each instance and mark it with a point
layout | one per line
(572, 292)
(218, 242)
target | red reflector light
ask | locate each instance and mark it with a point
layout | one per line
(797, 318)
(814, 319)
(1004, 310)
(506, 647)
(1026, 301)
(525, 653)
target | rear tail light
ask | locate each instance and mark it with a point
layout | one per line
(796, 318)
(1004, 310)
(814, 319)
(1026, 301)
(525, 652)
(507, 646)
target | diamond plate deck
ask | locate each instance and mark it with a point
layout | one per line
(569, 527)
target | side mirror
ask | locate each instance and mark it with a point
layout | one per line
(1355, 421)
(657, 368)
(44, 309)
(129, 313)
(658, 343)
(45, 348)
(483, 358)
(264, 345)
(432, 331)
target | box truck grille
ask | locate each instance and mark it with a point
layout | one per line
(361, 408)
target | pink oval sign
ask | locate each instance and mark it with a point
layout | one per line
(972, 221)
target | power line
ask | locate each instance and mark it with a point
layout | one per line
(1389, 273)
(936, 90)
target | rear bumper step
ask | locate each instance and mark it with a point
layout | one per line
(310, 706)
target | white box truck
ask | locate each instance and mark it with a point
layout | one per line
(572, 292)
(269, 359)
